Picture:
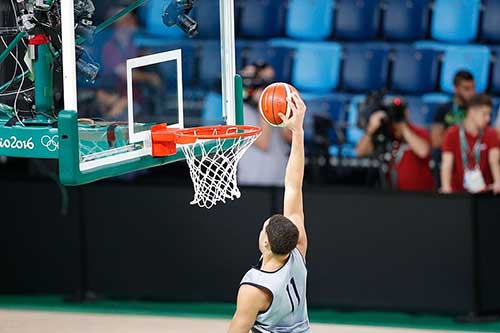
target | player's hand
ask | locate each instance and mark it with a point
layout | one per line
(296, 122)
(375, 122)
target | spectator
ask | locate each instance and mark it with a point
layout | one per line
(118, 48)
(471, 151)
(264, 164)
(452, 113)
(410, 147)
(104, 103)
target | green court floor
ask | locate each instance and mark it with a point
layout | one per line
(225, 311)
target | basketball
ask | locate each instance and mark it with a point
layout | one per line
(274, 101)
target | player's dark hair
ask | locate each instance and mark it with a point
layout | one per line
(462, 76)
(283, 235)
(479, 100)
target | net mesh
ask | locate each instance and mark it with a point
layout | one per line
(213, 168)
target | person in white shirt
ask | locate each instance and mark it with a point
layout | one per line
(265, 161)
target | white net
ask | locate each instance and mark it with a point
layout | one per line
(213, 168)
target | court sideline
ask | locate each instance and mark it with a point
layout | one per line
(15, 321)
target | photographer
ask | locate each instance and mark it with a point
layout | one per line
(388, 131)
(471, 152)
(264, 164)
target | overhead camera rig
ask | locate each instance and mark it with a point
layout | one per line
(39, 28)
(39, 21)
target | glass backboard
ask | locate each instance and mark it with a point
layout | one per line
(127, 68)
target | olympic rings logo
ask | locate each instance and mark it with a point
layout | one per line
(51, 143)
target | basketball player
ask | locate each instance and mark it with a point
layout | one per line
(272, 296)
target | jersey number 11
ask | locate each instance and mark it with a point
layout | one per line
(293, 286)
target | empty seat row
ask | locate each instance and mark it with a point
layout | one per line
(453, 21)
(324, 67)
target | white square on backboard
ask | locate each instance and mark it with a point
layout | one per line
(153, 59)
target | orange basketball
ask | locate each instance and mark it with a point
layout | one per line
(273, 102)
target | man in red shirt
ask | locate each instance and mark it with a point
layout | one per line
(471, 151)
(411, 148)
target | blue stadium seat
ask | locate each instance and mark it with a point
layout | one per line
(329, 106)
(354, 133)
(279, 57)
(433, 101)
(151, 12)
(406, 20)
(455, 21)
(436, 98)
(364, 68)
(316, 67)
(414, 71)
(261, 18)
(310, 19)
(473, 58)
(489, 30)
(357, 20)
(495, 73)
(207, 14)
(211, 113)
(210, 64)
(332, 107)
(430, 44)
(420, 113)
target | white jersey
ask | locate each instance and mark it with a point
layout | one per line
(288, 310)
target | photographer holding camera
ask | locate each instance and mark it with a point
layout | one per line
(389, 133)
(265, 162)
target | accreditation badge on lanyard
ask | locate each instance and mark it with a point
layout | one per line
(473, 178)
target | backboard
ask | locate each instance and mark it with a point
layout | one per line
(139, 69)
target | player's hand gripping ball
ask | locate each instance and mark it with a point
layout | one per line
(274, 100)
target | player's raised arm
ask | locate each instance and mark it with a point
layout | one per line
(293, 205)
(251, 301)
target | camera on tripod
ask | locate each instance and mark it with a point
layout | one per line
(395, 112)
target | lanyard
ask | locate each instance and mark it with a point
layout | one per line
(464, 146)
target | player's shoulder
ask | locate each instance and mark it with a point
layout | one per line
(251, 296)
(299, 255)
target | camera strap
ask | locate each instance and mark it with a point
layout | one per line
(464, 147)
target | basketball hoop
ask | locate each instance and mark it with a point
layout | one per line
(212, 154)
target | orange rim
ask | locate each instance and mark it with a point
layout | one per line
(190, 135)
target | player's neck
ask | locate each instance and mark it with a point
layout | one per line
(271, 262)
(470, 127)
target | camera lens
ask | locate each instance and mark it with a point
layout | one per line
(188, 25)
